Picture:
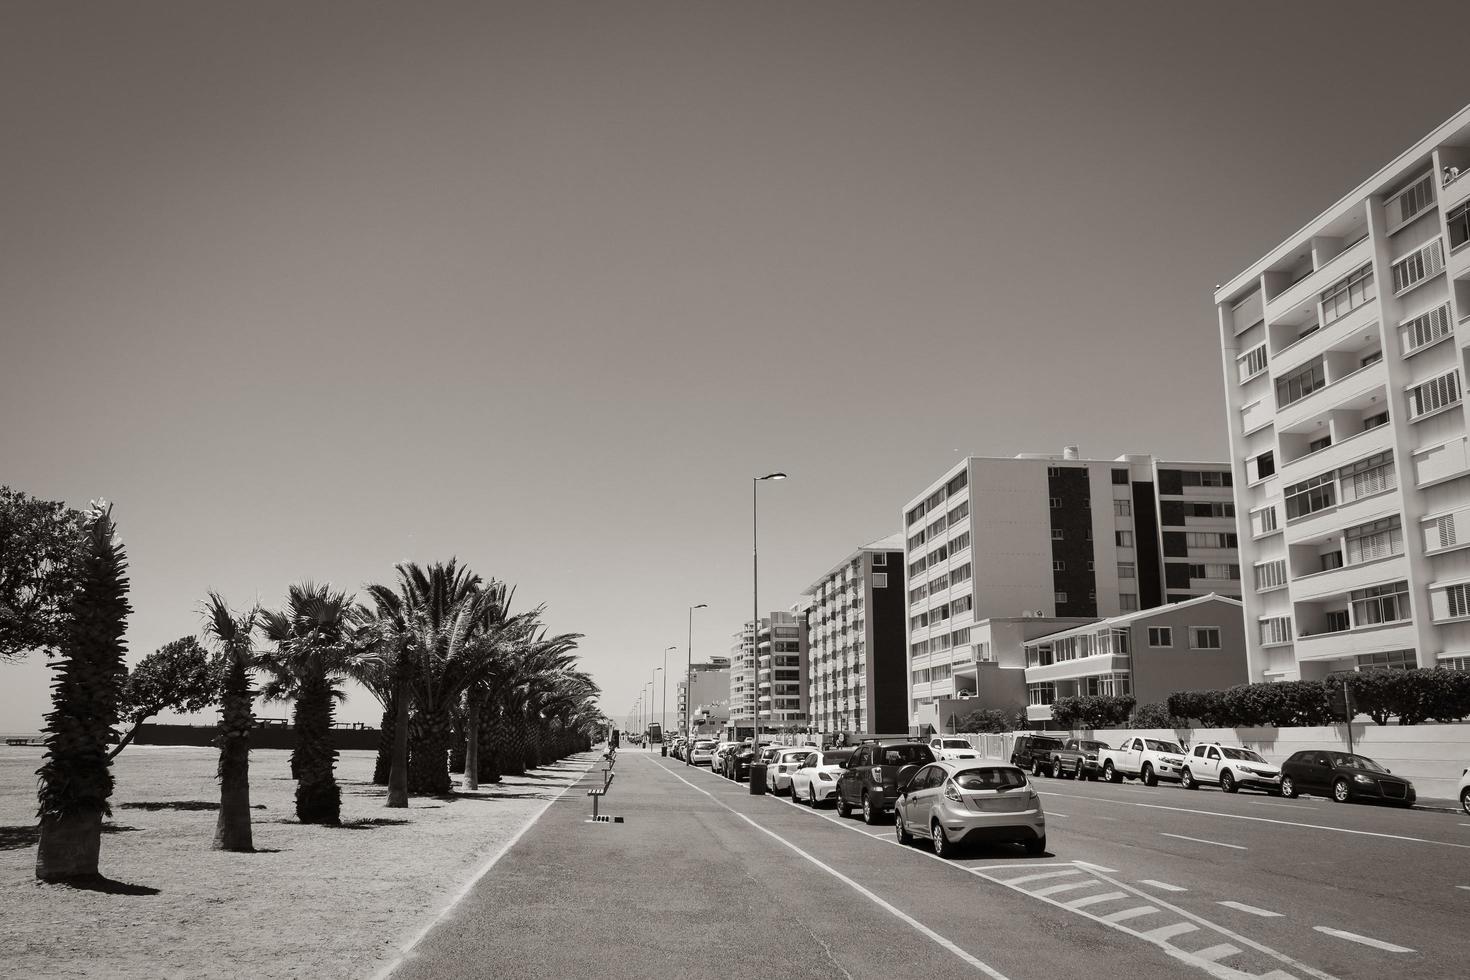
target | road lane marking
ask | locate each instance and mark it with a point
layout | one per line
(1089, 866)
(1463, 887)
(1082, 903)
(1198, 840)
(1164, 885)
(484, 869)
(1291, 806)
(1053, 813)
(1353, 937)
(1069, 886)
(896, 912)
(1126, 914)
(1216, 970)
(1040, 877)
(1272, 820)
(1217, 953)
(1165, 933)
(1242, 907)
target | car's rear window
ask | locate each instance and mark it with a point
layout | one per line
(904, 755)
(956, 743)
(989, 778)
(836, 757)
(1092, 746)
(704, 745)
(793, 756)
(1042, 742)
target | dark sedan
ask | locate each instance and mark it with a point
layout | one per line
(737, 763)
(1344, 777)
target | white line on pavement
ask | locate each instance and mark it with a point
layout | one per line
(1365, 940)
(1165, 933)
(898, 913)
(1070, 886)
(1197, 840)
(1463, 887)
(1025, 879)
(1082, 903)
(1290, 806)
(1127, 914)
(1242, 816)
(1053, 813)
(1164, 885)
(1241, 907)
(1088, 865)
(494, 859)
(1216, 953)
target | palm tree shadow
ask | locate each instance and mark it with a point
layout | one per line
(171, 805)
(28, 835)
(107, 886)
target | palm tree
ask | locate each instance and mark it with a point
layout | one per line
(529, 680)
(314, 648)
(387, 671)
(231, 635)
(76, 777)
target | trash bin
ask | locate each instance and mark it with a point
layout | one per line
(663, 750)
(757, 779)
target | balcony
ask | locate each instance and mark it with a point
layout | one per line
(1435, 464)
(1331, 520)
(1299, 300)
(1356, 642)
(1065, 670)
(1348, 449)
(1257, 414)
(1349, 385)
(1446, 532)
(1341, 581)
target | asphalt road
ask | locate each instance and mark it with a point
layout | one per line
(704, 880)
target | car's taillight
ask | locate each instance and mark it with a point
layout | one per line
(825, 776)
(878, 773)
(951, 794)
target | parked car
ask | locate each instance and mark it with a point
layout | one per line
(785, 762)
(1077, 759)
(1033, 753)
(1146, 759)
(738, 760)
(870, 781)
(1346, 777)
(717, 763)
(950, 747)
(815, 779)
(702, 752)
(1229, 766)
(1465, 791)
(954, 803)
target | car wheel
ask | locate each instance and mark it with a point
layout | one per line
(1227, 782)
(942, 846)
(1465, 799)
(904, 837)
(844, 808)
(811, 798)
(1110, 773)
(1149, 779)
(1035, 767)
(1342, 792)
(870, 815)
(1056, 769)
(1288, 787)
(1186, 779)
(1037, 846)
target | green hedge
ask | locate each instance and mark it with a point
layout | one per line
(1411, 696)
(1093, 711)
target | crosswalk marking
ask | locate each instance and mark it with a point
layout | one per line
(1132, 913)
(1162, 885)
(1216, 953)
(1038, 877)
(1165, 933)
(1242, 907)
(1082, 903)
(1353, 937)
(1064, 887)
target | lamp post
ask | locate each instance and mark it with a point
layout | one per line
(755, 609)
(689, 687)
(664, 711)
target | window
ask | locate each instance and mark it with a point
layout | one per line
(1128, 601)
(1204, 637)
(1056, 503)
(1263, 521)
(1300, 383)
(1210, 539)
(1440, 532)
(1368, 476)
(1380, 604)
(880, 580)
(1310, 496)
(1410, 202)
(959, 513)
(960, 574)
(1122, 508)
(1337, 621)
(1053, 471)
(1275, 629)
(1319, 444)
(960, 637)
(1434, 394)
(1060, 598)
(1270, 574)
(1161, 636)
(1459, 223)
(1059, 566)
(1252, 362)
(963, 604)
(1265, 464)
(1376, 539)
(1418, 266)
(1212, 510)
(1425, 329)
(1374, 421)
(1126, 569)
(917, 540)
(1348, 293)
(1124, 539)
(959, 543)
(1330, 560)
(1388, 660)
(957, 482)
(1458, 599)
(1056, 534)
(1120, 478)
(879, 559)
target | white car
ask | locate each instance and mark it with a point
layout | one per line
(1465, 791)
(957, 803)
(720, 749)
(782, 765)
(1231, 766)
(1145, 759)
(814, 781)
(703, 752)
(949, 747)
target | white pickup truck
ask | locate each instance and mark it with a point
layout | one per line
(1148, 759)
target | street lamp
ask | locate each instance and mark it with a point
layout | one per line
(689, 687)
(755, 608)
(664, 712)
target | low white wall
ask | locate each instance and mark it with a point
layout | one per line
(1433, 756)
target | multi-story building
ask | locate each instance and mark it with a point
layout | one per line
(1344, 355)
(780, 675)
(1194, 645)
(855, 636)
(711, 682)
(1058, 536)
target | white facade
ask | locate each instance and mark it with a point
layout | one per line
(1344, 360)
(780, 676)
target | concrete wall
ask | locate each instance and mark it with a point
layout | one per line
(1433, 756)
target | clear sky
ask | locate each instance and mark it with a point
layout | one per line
(310, 288)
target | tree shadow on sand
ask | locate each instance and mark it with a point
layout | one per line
(531, 794)
(107, 886)
(28, 835)
(178, 805)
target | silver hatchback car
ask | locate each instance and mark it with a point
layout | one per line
(957, 802)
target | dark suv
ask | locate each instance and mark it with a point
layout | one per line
(1033, 753)
(870, 781)
(737, 762)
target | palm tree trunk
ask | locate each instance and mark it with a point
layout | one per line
(232, 829)
(398, 770)
(70, 846)
(383, 765)
(492, 739)
(318, 797)
(457, 746)
(428, 754)
(472, 741)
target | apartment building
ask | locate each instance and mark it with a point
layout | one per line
(769, 660)
(711, 683)
(1194, 645)
(855, 635)
(1344, 358)
(1055, 535)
